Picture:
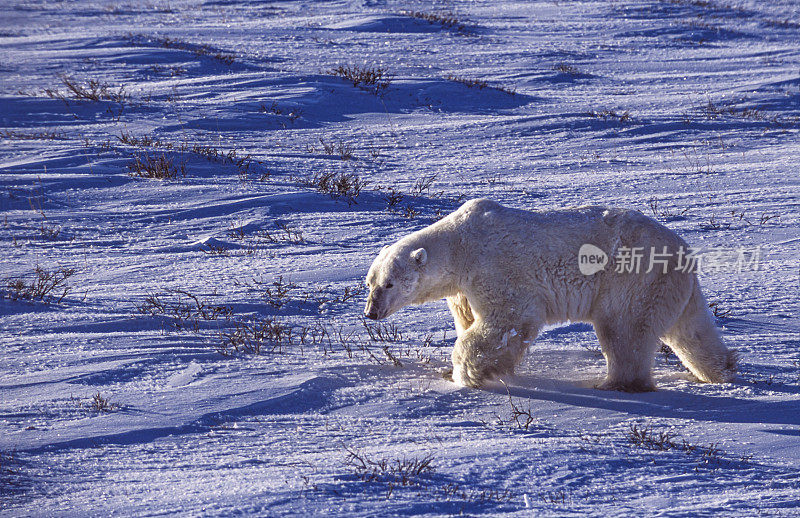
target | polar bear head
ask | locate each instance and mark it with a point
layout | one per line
(393, 279)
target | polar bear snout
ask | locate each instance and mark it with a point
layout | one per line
(371, 311)
(380, 304)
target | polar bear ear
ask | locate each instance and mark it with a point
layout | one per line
(420, 255)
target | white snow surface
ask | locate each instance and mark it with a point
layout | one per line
(686, 110)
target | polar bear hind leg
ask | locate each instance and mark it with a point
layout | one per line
(629, 352)
(629, 323)
(695, 340)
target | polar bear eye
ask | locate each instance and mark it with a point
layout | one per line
(389, 285)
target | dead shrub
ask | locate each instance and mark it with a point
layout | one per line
(383, 332)
(661, 440)
(338, 185)
(93, 90)
(184, 308)
(341, 148)
(480, 84)
(45, 286)
(255, 337)
(37, 135)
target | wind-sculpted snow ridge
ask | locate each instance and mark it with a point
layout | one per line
(191, 193)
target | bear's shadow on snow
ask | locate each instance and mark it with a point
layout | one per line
(661, 403)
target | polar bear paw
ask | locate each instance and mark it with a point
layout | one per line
(628, 386)
(466, 376)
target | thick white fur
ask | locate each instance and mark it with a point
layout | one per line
(507, 272)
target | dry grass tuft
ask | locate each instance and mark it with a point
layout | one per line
(446, 20)
(38, 135)
(160, 167)
(567, 69)
(519, 418)
(401, 472)
(199, 50)
(102, 404)
(480, 84)
(184, 307)
(712, 111)
(610, 115)
(374, 80)
(383, 332)
(212, 154)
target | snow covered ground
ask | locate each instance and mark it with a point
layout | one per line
(134, 387)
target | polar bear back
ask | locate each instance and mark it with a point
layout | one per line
(536, 252)
(556, 233)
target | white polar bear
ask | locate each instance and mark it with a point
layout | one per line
(507, 272)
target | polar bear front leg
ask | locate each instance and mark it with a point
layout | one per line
(485, 351)
(462, 312)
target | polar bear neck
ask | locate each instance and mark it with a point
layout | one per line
(439, 277)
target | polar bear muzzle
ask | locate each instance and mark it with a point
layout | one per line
(370, 311)
(381, 303)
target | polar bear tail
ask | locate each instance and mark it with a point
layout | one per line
(696, 341)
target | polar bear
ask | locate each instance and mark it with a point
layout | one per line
(506, 273)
